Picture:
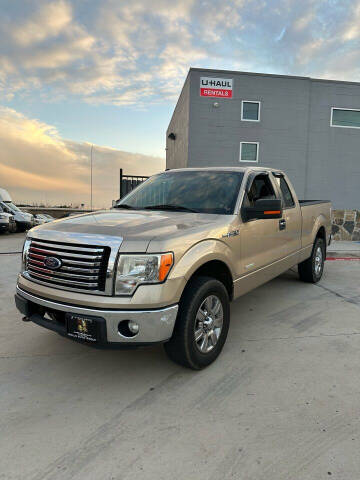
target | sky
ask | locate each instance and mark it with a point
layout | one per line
(108, 72)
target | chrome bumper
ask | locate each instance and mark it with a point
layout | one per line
(154, 325)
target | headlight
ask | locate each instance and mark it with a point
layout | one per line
(25, 253)
(134, 270)
(2, 216)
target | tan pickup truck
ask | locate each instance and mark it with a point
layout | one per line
(164, 264)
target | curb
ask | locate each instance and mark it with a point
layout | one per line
(342, 258)
(343, 255)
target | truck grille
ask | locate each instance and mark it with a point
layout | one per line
(77, 267)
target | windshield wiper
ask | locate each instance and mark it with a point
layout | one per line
(178, 208)
(124, 205)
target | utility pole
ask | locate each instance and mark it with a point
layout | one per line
(91, 177)
(121, 182)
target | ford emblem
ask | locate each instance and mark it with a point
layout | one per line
(52, 262)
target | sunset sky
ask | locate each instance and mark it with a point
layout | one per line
(108, 73)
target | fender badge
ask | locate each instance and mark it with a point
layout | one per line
(233, 233)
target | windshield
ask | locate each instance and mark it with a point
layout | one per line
(192, 190)
(12, 206)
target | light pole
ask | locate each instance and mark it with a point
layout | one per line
(91, 177)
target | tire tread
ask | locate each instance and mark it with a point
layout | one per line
(306, 268)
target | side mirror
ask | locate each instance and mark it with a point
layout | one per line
(263, 208)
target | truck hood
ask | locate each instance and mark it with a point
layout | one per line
(137, 228)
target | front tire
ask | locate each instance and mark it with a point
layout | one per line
(202, 325)
(311, 270)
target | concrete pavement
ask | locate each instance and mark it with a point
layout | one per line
(280, 403)
(11, 242)
(344, 249)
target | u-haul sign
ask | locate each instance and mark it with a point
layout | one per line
(216, 87)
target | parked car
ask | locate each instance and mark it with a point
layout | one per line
(71, 214)
(12, 224)
(4, 221)
(49, 217)
(163, 266)
(23, 220)
(38, 219)
(7, 221)
(41, 218)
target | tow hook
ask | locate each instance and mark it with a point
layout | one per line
(26, 319)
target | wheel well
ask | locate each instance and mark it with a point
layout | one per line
(322, 234)
(220, 271)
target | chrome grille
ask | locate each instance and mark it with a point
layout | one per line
(82, 267)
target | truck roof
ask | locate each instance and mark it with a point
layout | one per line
(226, 169)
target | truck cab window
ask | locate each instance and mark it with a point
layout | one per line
(261, 188)
(285, 192)
(211, 191)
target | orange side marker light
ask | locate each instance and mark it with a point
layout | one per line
(165, 265)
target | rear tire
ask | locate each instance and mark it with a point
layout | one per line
(311, 270)
(202, 325)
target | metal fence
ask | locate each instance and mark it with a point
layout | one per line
(129, 182)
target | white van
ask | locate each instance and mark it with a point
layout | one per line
(23, 220)
(7, 221)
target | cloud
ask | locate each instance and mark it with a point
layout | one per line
(37, 165)
(20, 179)
(138, 52)
(350, 30)
(47, 22)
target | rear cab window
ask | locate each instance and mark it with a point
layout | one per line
(287, 198)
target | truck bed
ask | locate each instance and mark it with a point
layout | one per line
(311, 212)
(306, 203)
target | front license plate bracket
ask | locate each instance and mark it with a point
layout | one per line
(84, 328)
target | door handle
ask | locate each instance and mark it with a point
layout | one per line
(282, 224)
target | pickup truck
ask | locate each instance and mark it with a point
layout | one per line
(164, 264)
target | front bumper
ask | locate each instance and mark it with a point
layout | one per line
(155, 326)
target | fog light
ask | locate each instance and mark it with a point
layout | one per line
(133, 327)
(128, 328)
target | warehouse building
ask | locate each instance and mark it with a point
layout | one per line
(308, 127)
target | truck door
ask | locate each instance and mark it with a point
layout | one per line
(291, 221)
(262, 240)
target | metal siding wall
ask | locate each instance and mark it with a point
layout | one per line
(294, 132)
(215, 133)
(334, 153)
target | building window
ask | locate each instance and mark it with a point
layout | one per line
(345, 117)
(250, 111)
(249, 151)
